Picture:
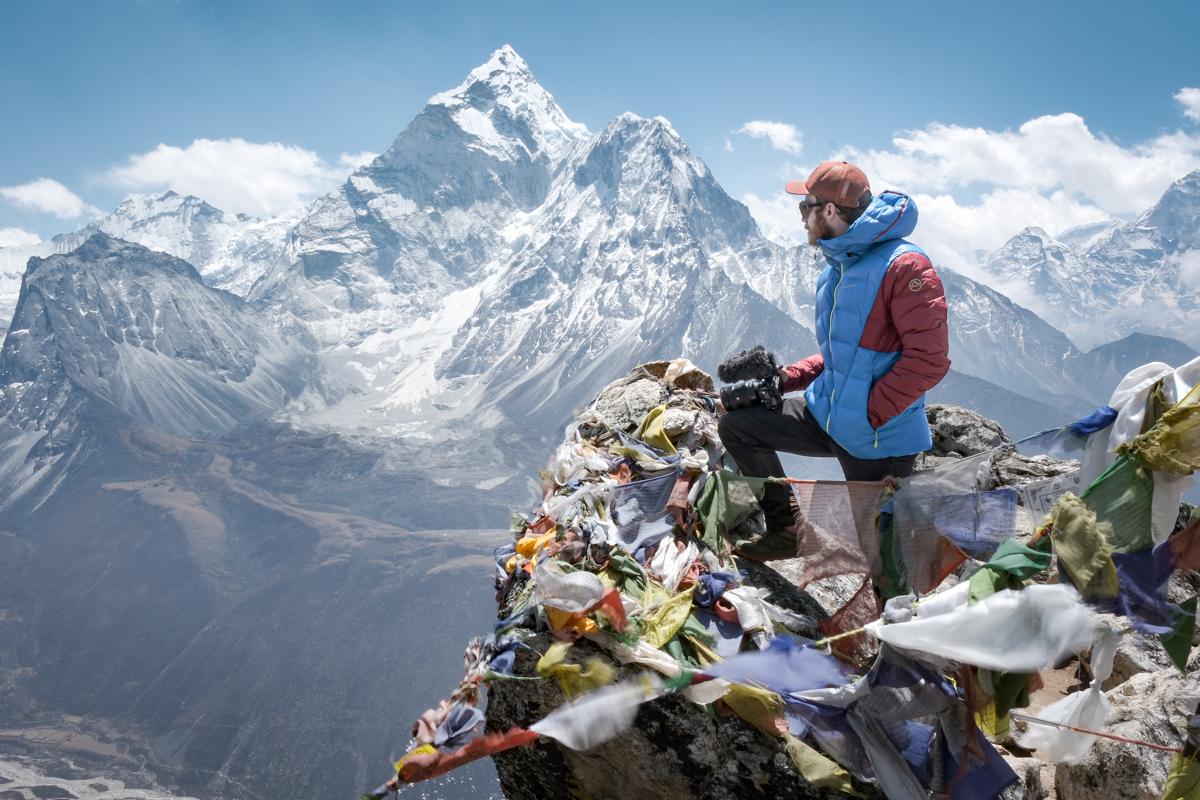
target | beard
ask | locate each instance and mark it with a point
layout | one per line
(818, 227)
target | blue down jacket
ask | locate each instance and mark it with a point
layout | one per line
(846, 292)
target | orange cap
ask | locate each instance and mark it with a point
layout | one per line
(837, 182)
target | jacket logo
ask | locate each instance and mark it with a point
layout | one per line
(915, 285)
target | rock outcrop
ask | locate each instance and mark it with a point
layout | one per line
(676, 749)
(1153, 707)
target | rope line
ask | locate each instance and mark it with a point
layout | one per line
(1126, 740)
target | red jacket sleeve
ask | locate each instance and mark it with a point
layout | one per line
(916, 305)
(802, 373)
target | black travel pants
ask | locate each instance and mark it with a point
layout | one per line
(755, 435)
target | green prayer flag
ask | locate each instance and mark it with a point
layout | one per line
(1012, 564)
(627, 565)
(891, 583)
(1178, 643)
(1121, 499)
(1183, 781)
(726, 500)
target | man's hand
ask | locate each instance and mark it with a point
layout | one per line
(798, 376)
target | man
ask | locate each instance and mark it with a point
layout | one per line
(881, 326)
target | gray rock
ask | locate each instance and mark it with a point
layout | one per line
(1152, 707)
(1029, 785)
(959, 432)
(1136, 655)
(1011, 468)
(623, 406)
(962, 432)
(673, 751)
(1185, 518)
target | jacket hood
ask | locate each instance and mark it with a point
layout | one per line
(891, 215)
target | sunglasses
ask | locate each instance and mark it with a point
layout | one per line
(810, 202)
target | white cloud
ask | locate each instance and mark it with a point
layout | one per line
(976, 188)
(778, 216)
(1188, 264)
(782, 135)
(949, 231)
(15, 237)
(48, 196)
(1047, 154)
(728, 145)
(352, 161)
(236, 175)
(1189, 98)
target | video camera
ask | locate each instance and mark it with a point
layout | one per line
(755, 378)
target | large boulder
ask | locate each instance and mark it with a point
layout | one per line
(1153, 707)
(673, 751)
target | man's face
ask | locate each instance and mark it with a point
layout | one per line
(816, 224)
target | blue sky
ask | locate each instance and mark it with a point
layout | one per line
(85, 86)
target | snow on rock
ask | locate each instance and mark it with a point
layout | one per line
(140, 330)
(1103, 281)
(231, 251)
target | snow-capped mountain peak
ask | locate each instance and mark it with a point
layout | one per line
(505, 109)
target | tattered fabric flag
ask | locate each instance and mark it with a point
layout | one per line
(1086, 709)
(762, 708)
(633, 502)
(612, 607)
(426, 726)
(459, 726)
(894, 774)
(1009, 567)
(978, 522)
(860, 609)
(1007, 632)
(986, 778)
(1183, 779)
(1081, 544)
(660, 625)
(727, 634)
(677, 502)
(712, 585)
(421, 764)
(817, 769)
(1142, 594)
(646, 457)
(650, 430)
(833, 733)
(1185, 548)
(574, 592)
(600, 715)
(641, 654)
(1123, 500)
(1173, 445)
(1066, 442)
(726, 500)
(671, 562)
(781, 670)
(1178, 643)
(928, 555)
(839, 535)
(573, 678)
